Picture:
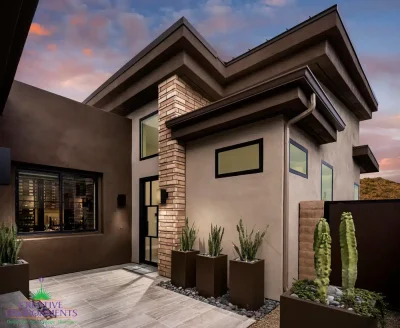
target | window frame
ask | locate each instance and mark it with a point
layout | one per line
(140, 136)
(96, 176)
(358, 186)
(259, 142)
(304, 149)
(331, 167)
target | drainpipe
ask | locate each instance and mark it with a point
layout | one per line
(285, 278)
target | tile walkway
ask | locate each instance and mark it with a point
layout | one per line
(114, 297)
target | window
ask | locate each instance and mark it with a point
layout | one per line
(356, 191)
(149, 136)
(55, 201)
(326, 181)
(298, 159)
(244, 158)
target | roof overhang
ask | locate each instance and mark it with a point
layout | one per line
(320, 43)
(16, 17)
(287, 95)
(364, 157)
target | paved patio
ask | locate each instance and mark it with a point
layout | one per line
(114, 297)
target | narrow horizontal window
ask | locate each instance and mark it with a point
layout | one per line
(149, 136)
(244, 158)
(55, 201)
(298, 159)
(356, 191)
(326, 181)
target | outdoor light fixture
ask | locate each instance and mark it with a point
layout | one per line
(162, 196)
(121, 200)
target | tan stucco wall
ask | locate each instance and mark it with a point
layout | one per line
(140, 169)
(345, 173)
(43, 128)
(256, 198)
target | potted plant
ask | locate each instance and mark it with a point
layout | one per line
(246, 272)
(315, 303)
(14, 273)
(183, 261)
(212, 267)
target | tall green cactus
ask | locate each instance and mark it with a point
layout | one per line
(323, 265)
(349, 254)
(322, 227)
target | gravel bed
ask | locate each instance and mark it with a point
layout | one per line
(271, 320)
(223, 301)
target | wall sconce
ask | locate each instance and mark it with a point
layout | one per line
(121, 200)
(162, 196)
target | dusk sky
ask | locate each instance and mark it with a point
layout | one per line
(75, 45)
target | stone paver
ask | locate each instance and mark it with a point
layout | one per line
(114, 297)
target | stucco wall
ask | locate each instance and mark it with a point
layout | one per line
(256, 198)
(345, 173)
(47, 129)
(140, 169)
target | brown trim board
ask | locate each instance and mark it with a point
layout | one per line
(182, 37)
(286, 95)
(364, 157)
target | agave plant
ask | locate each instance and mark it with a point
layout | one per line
(248, 246)
(188, 237)
(10, 244)
(214, 240)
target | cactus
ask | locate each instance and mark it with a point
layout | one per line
(349, 254)
(322, 227)
(248, 246)
(10, 244)
(214, 240)
(188, 237)
(322, 261)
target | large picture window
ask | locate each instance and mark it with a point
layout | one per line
(326, 181)
(52, 200)
(244, 158)
(149, 136)
(298, 159)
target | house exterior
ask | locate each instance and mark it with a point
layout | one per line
(249, 138)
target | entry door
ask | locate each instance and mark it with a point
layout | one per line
(149, 220)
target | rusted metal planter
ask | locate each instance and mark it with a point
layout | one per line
(246, 284)
(15, 277)
(211, 275)
(297, 312)
(183, 268)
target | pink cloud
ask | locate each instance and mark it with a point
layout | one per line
(38, 29)
(276, 3)
(52, 47)
(87, 52)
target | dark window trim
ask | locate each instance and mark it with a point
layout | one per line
(294, 143)
(21, 166)
(258, 142)
(358, 185)
(331, 167)
(140, 136)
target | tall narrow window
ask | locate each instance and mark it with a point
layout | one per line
(54, 201)
(149, 136)
(298, 159)
(356, 191)
(326, 181)
(244, 158)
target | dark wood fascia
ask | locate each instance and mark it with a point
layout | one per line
(16, 16)
(364, 157)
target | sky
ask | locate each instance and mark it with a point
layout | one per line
(73, 46)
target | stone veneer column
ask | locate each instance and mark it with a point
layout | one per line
(310, 213)
(175, 98)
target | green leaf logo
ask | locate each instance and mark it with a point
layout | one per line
(41, 294)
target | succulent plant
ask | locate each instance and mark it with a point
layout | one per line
(248, 246)
(10, 244)
(214, 240)
(322, 261)
(188, 237)
(349, 254)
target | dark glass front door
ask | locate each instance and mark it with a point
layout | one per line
(149, 220)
